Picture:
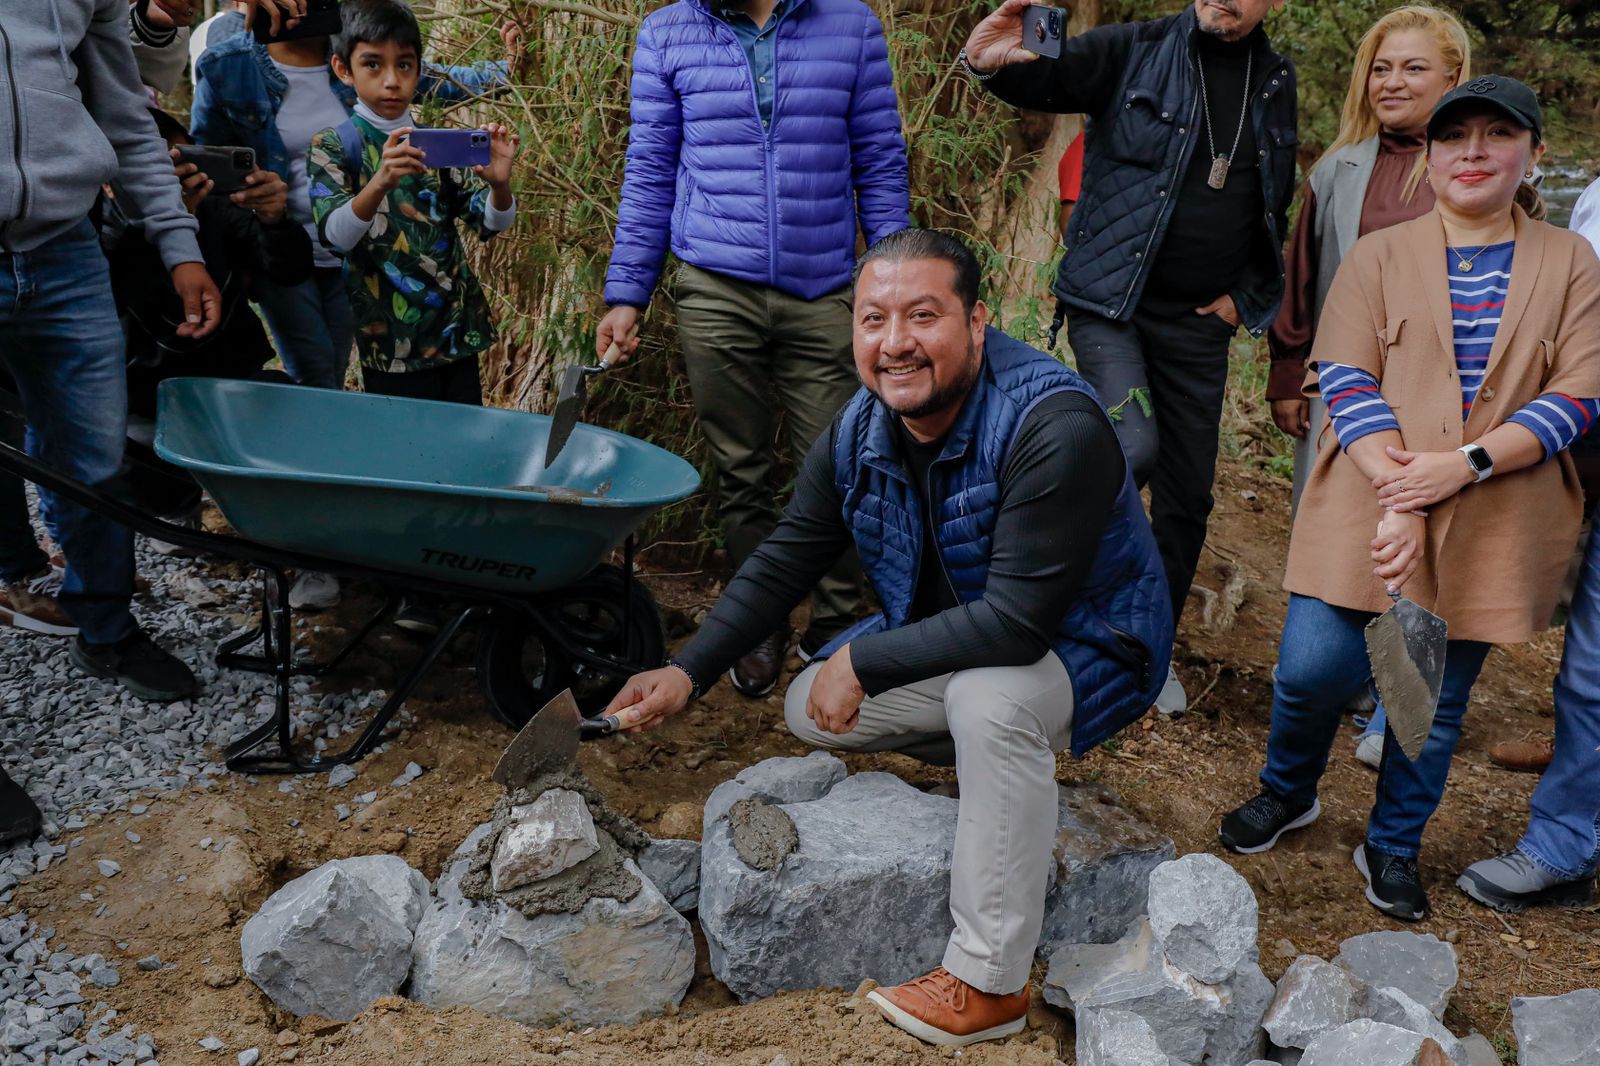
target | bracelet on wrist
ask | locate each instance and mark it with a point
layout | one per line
(973, 72)
(695, 692)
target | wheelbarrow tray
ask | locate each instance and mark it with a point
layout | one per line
(438, 490)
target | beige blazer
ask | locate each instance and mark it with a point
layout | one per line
(1497, 551)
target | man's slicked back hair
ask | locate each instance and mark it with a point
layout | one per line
(913, 243)
(376, 22)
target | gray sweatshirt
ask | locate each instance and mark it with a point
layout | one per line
(73, 117)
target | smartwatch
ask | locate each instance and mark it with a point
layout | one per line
(1479, 459)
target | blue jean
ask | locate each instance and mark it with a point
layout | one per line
(61, 342)
(1322, 664)
(312, 327)
(1563, 836)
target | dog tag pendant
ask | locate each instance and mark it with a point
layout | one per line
(1219, 172)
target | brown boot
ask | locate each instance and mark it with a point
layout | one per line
(756, 673)
(30, 603)
(942, 1009)
(1523, 756)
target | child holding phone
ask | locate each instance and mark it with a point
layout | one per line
(421, 318)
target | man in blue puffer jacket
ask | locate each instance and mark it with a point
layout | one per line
(765, 136)
(1025, 610)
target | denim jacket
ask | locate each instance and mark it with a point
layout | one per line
(238, 91)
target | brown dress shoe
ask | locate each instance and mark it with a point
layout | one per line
(941, 1008)
(1523, 756)
(756, 673)
(31, 604)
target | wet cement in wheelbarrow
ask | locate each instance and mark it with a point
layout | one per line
(601, 874)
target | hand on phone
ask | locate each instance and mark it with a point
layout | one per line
(264, 193)
(997, 41)
(502, 150)
(400, 160)
(191, 180)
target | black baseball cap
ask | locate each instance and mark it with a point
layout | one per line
(1508, 95)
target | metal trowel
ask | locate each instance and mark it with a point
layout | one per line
(1406, 645)
(570, 394)
(548, 743)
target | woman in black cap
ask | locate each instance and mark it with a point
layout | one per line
(1457, 353)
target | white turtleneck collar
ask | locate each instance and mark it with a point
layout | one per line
(387, 125)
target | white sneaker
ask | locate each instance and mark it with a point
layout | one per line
(1172, 701)
(1369, 750)
(314, 591)
(189, 520)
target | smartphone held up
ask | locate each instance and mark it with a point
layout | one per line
(227, 166)
(1044, 28)
(451, 148)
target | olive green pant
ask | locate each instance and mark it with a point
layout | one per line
(753, 351)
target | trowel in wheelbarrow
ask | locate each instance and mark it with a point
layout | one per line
(549, 742)
(570, 394)
(1406, 645)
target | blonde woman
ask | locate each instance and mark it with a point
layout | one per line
(1370, 178)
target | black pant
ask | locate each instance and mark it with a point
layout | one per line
(1180, 361)
(455, 382)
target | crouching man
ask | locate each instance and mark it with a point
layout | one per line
(1025, 607)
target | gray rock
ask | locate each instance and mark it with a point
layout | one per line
(1393, 1007)
(1423, 967)
(403, 889)
(554, 832)
(108, 868)
(1365, 1043)
(1313, 998)
(1118, 1038)
(327, 943)
(341, 775)
(1479, 1051)
(1239, 1039)
(1131, 975)
(249, 1056)
(610, 963)
(873, 855)
(1558, 1030)
(1101, 870)
(210, 1043)
(149, 963)
(105, 977)
(448, 887)
(777, 780)
(674, 867)
(1204, 916)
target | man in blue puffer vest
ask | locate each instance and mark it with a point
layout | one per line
(765, 136)
(1025, 607)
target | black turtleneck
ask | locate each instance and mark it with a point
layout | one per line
(1212, 233)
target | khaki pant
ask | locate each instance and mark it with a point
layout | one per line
(746, 345)
(1001, 726)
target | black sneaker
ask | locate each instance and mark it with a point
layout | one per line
(1256, 826)
(756, 672)
(419, 616)
(810, 644)
(138, 664)
(19, 815)
(1393, 884)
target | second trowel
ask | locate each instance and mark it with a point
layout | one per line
(570, 395)
(1406, 645)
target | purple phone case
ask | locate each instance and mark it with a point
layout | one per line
(452, 148)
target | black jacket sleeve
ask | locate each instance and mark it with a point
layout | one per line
(279, 254)
(1061, 481)
(1082, 81)
(808, 540)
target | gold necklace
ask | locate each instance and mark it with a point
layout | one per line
(1464, 261)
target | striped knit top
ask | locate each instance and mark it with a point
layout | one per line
(1477, 299)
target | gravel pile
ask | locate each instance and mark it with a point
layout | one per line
(83, 747)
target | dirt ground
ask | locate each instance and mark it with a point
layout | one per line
(188, 904)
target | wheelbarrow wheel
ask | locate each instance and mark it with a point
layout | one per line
(522, 664)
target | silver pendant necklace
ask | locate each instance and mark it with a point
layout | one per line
(1220, 163)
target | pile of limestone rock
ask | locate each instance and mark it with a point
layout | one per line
(560, 911)
(545, 914)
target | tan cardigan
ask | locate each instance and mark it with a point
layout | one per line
(1496, 552)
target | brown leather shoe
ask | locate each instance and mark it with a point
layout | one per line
(941, 1008)
(756, 673)
(31, 604)
(1523, 756)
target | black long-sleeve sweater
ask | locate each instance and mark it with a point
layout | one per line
(1062, 476)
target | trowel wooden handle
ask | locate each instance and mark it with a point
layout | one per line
(615, 349)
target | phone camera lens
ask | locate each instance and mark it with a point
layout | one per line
(242, 161)
(1055, 24)
(1038, 32)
